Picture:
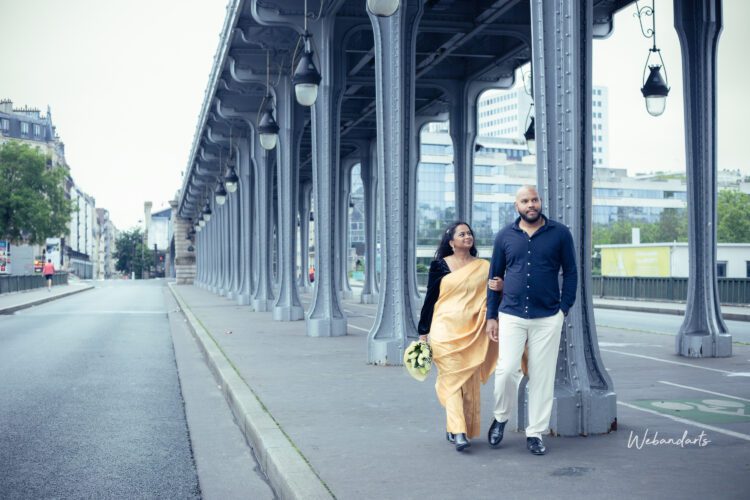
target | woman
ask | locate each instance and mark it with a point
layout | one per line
(454, 317)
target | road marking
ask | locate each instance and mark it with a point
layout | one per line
(739, 374)
(704, 390)
(31, 312)
(738, 435)
(360, 314)
(359, 328)
(670, 362)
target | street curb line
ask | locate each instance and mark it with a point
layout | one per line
(26, 305)
(289, 473)
(674, 312)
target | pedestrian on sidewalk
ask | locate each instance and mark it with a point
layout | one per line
(48, 270)
(528, 254)
(453, 315)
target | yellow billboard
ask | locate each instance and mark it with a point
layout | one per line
(636, 261)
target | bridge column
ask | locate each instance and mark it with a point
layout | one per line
(395, 43)
(245, 212)
(215, 269)
(343, 198)
(263, 298)
(288, 306)
(304, 232)
(585, 402)
(703, 332)
(369, 174)
(325, 317)
(463, 131)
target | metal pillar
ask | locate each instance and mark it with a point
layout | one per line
(244, 226)
(263, 298)
(369, 175)
(326, 317)
(395, 42)
(703, 332)
(463, 131)
(288, 306)
(304, 235)
(342, 215)
(585, 402)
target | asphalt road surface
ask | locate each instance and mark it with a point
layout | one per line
(90, 400)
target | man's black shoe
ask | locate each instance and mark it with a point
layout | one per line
(450, 437)
(535, 446)
(495, 435)
(461, 442)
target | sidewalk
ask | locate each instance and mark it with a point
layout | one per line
(323, 423)
(737, 313)
(12, 302)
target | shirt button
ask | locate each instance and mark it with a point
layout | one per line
(527, 286)
(528, 263)
(528, 274)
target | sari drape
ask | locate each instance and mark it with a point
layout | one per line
(461, 350)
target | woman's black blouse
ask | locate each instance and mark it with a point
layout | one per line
(438, 269)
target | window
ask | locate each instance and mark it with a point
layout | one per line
(37, 130)
(721, 269)
(747, 268)
(4, 124)
(25, 128)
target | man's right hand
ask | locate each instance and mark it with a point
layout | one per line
(492, 329)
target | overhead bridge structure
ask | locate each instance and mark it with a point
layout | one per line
(382, 77)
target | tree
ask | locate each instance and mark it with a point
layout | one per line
(33, 203)
(733, 210)
(131, 253)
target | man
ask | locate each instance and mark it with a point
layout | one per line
(529, 254)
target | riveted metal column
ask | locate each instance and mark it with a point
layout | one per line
(210, 230)
(703, 332)
(325, 317)
(288, 306)
(585, 402)
(244, 193)
(221, 213)
(395, 42)
(369, 174)
(463, 131)
(343, 198)
(234, 241)
(263, 298)
(304, 235)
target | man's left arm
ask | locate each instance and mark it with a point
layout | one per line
(570, 273)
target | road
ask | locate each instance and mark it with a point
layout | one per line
(91, 403)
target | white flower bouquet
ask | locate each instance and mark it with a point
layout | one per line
(418, 360)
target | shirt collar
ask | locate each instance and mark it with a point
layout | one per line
(547, 223)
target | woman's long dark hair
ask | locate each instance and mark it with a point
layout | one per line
(444, 249)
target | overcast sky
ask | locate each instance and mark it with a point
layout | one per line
(125, 81)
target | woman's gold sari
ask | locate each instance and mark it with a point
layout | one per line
(461, 350)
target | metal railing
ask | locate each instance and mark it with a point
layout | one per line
(732, 291)
(19, 283)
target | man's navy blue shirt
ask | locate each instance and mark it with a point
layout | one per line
(530, 267)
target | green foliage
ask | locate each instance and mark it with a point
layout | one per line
(131, 254)
(33, 203)
(733, 209)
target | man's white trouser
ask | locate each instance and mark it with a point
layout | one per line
(543, 338)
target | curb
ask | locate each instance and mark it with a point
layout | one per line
(26, 305)
(289, 473)
(675, 312)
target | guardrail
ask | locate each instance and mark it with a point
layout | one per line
(18, 283)
(732, 291)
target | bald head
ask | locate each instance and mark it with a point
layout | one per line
(528, 204)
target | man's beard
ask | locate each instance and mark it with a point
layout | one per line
(528, 219)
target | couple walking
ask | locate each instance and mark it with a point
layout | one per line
(470, 320)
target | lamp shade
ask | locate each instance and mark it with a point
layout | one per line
(207, 213)
(231, 180)
(530, 136)
(306, 80)
(220, 194)
(655, 91)
(383, 8)
(201, 224)
(268, 129)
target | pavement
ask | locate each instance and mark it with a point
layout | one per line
(325, 424)
(12, 302)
